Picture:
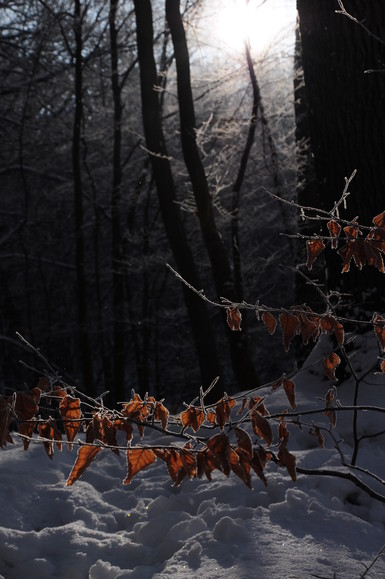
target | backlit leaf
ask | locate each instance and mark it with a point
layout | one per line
(71, 414)
(161, 413)
(174, 463)
(269, 321)
(288, 460)
(85, 456)
(290, 325)
(137, 460)
(329, 366)
(223, 409)
(289, 388)
(193, 417)
(244, 441)
(219, 445)
(328, 325)
(234, 319)
(261, 427)
(314, 248)
(240, 466)
(334, 230)
(258, 465)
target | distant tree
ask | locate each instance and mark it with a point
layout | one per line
(155, 141)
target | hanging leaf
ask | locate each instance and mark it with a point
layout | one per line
(269, 321)
(244, 441)
(223, 409)
(240, 466)
(283, 433)
(258, 465)
(289, 388)
(261, 427)
(45, 430)
(125, 426)
(290, 325)
(25, 408)
(314, 248)
(206, 463)
(234, 319)
(334, 230)
(137, 460)
(85, 456)
(328, 325)
(71, 414)
(161, 413)
(330, 412)
(193, 417)
(219, 445)
(329, 366)
(309, 324)
(288, 460)
(258, 405)
(174, 463)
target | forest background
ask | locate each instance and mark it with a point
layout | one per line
(133, 136)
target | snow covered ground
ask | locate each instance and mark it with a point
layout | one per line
(99, 529)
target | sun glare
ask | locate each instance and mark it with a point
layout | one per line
(258, 21)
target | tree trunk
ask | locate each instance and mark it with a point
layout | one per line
(241, 361)
(117, 257)
(346, 117)
(155, 142)
(79, 211)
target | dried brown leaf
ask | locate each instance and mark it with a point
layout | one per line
(288, 460)
(71, 414)
(314, 248)
(244, 441)
(329, 366)
(261, 427)
(269, 321)
(193, 417)
(234, 319)
(290, 325)
(137, 460)
(223, 410)
(334, 230)
(85, 456)
(289, 388)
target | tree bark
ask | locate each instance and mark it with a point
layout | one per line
(117, 256)
(241, 361)
(155, 142)
(86, 362)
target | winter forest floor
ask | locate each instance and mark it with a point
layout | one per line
(98, 529)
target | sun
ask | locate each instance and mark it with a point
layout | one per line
(258, 21)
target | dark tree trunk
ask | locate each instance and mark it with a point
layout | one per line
(155, 142)
(241, 361)
(347, 123)
(85, 350)
(117, 246)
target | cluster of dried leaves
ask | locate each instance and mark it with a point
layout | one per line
(364, 251)
(229, 450)
(304, 322)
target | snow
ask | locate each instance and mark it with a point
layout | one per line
(100, 529)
